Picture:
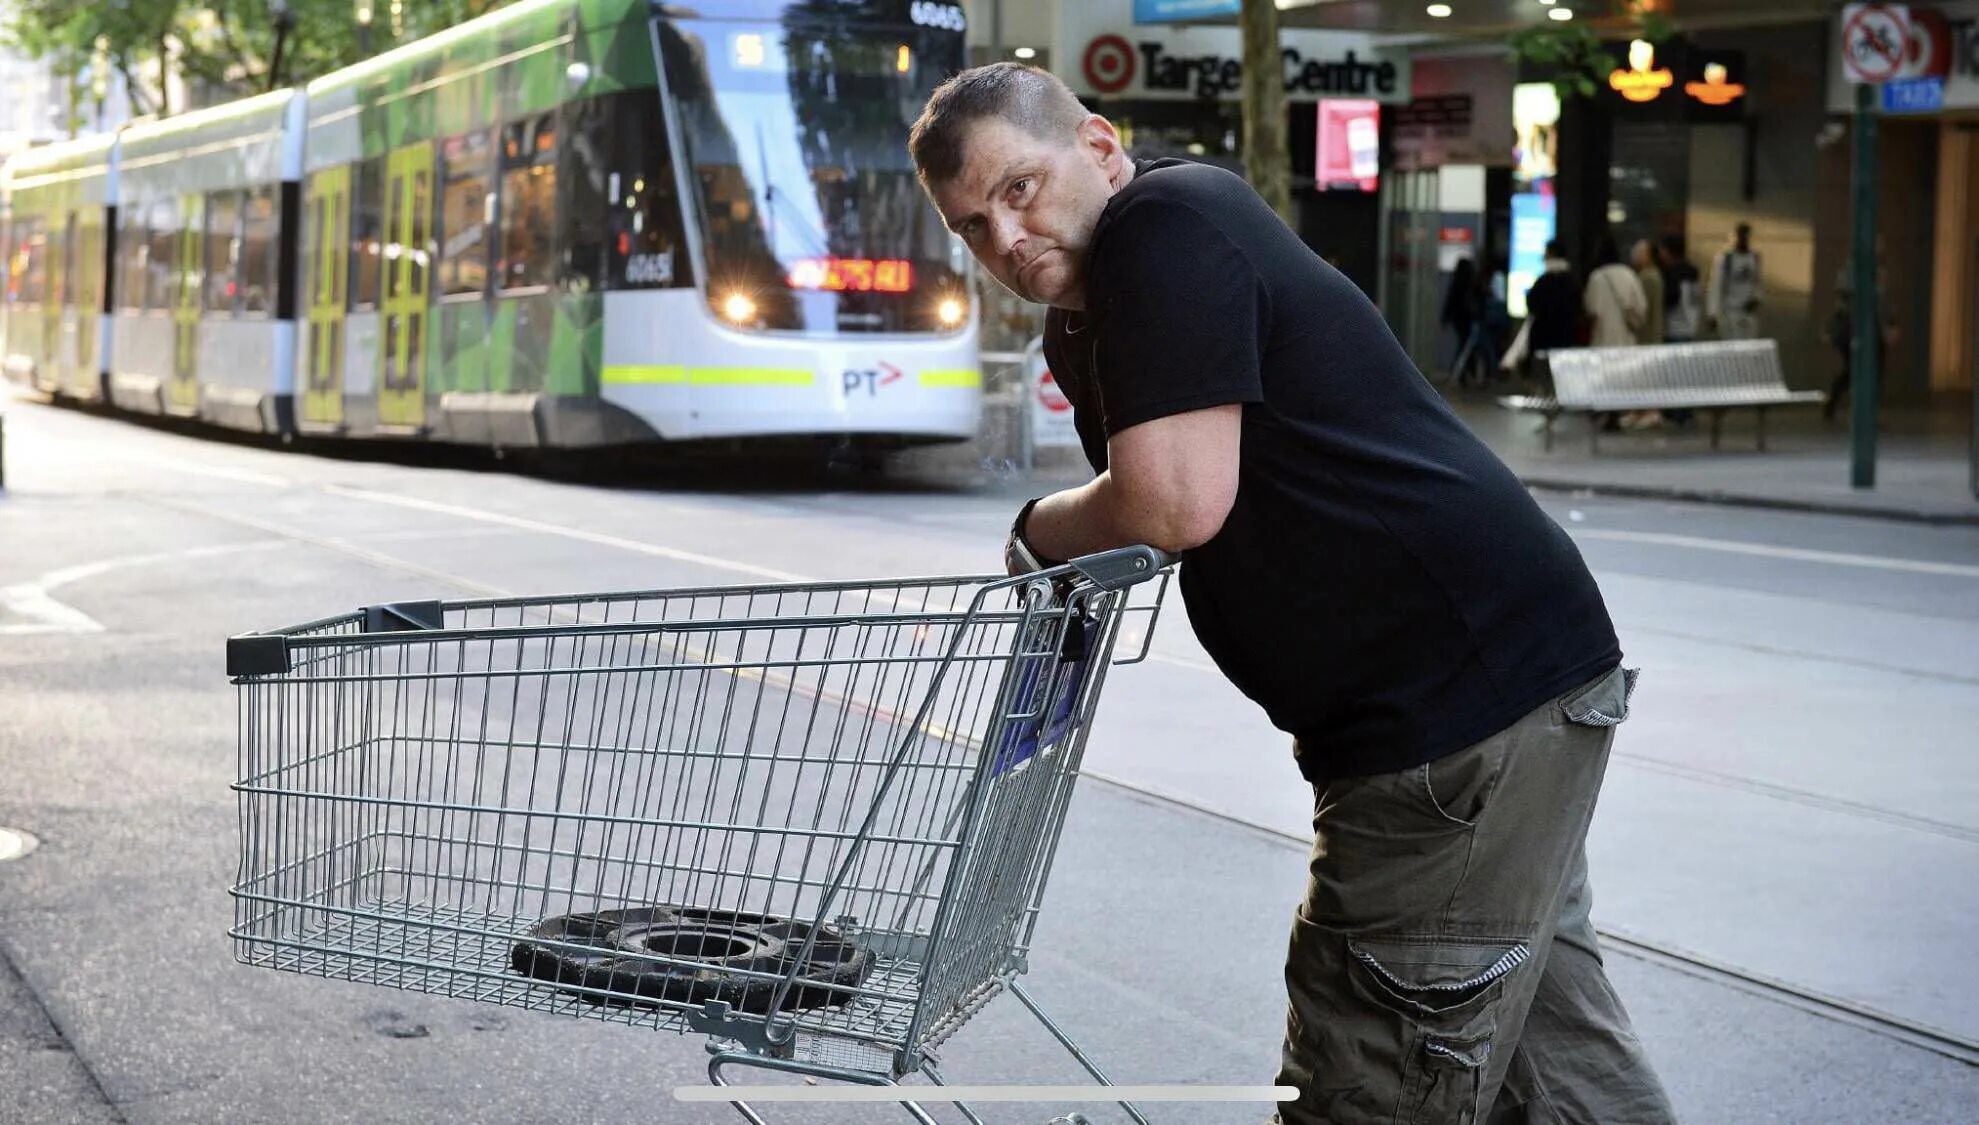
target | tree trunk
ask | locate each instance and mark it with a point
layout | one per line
(164, 77)
(1266, 163)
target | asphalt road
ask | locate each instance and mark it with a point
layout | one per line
(1795, 799)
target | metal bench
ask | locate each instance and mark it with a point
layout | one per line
(1714, 375)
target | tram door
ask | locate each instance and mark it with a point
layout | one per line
(326, 268)
(402, 336)
(182, 391)
(54, 297)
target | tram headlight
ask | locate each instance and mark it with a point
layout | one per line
(738, 308)
(951, 311)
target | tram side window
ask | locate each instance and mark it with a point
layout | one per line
(466, 202)
(222, 251)
(623, 211)
(162, 262)
(69, 240)
(528, 203)
(133, 252)
(89, 263)
(367, 234)
(260, 229)
(28, 271)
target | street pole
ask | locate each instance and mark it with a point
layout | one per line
(1865, 342)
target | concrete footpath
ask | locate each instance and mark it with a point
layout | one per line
(1923, 463)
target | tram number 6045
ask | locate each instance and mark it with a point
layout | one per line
(946, 16)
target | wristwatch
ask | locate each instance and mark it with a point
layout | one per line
(1019, 555)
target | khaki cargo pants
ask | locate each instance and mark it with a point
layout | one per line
(1442, 967)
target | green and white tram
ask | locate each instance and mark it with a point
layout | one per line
(59, 199)
(203, 323)
(566, 223)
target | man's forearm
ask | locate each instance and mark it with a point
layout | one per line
(1079, 521)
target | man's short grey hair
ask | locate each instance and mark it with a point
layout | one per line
(1034, 100)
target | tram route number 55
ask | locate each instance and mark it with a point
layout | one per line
(946, 16)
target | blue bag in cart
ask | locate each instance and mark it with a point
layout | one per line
(1047, 695)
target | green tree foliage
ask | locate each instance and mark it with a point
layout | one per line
(223, 48)
(1573, 49)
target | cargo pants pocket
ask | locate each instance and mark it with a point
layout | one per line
(1603, 703)
(1442, 996)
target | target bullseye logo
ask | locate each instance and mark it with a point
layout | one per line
(1109, 64)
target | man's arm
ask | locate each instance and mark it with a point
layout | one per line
(1170, 483)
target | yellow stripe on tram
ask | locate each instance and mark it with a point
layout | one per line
(960, 377)
(635, 373)
(751, 376)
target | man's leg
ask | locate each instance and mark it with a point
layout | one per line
(1411, 964)
(1578, 1060)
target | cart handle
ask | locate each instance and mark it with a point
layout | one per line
(1121, 567)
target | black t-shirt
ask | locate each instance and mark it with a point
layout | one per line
(1383, 586)
(1554, 305)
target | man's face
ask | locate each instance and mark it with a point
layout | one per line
(1026, 206)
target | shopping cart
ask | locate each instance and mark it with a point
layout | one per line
(812, 822)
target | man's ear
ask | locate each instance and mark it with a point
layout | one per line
(1102, 141)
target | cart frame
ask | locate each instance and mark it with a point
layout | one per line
(876, 772)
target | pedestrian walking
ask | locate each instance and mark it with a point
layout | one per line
(1737, 288)
(1642, 258)
(1461, 313)
(1360, 565)
(1682, 301)
(1553, 316)
(1613, 298)
(1683, 304)
(1841, 334)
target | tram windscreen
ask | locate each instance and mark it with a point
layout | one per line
(795, 134)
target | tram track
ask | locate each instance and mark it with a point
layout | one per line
(1889, 1025)
(1628, 943)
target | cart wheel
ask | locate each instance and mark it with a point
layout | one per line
(613, 951)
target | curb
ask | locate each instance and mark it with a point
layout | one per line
(1749, 500)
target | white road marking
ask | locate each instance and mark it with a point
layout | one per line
(221, 472)
(1767, 551)
(636, 546)
(46, 614)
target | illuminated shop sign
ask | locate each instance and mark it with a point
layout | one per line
(1643, 81)
(1716, 88)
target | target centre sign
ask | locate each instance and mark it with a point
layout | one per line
(1112, 57)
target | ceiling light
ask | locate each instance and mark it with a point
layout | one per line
(1438, 11)
(1026, 52)
(1562, 14)
(1549, 3)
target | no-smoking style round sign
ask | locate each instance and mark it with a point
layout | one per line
(1875, 40)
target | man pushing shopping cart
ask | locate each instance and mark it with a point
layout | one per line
(1360, 565)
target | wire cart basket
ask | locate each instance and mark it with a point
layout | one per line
(812, 822)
